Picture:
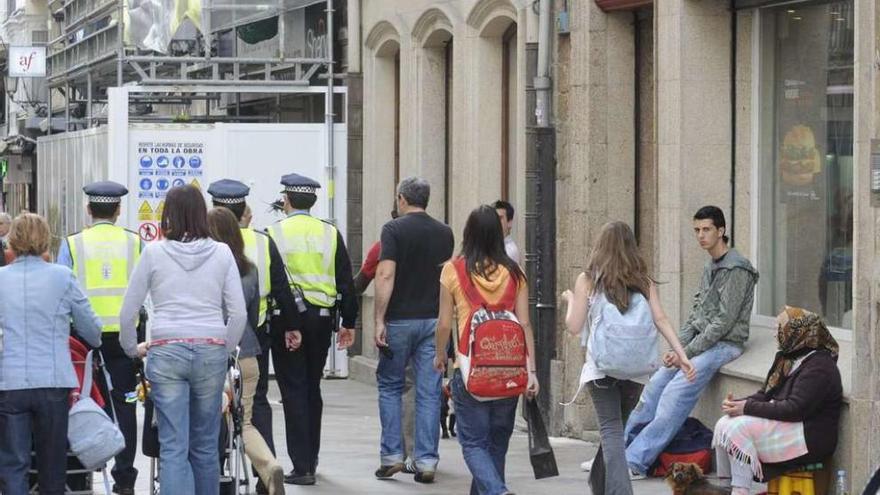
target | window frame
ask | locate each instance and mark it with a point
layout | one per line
(758, 320)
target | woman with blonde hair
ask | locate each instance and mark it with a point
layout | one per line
(37, 304)
(616, 275)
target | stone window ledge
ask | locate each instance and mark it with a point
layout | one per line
(760, 350)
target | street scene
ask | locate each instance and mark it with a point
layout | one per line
(439, 246)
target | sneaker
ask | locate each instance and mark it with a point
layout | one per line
(635, 475)
(386, 472)
(587, 465)
(424, 477)
(409, 466)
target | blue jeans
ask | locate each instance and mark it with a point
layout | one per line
(412, 342)
(484, 430)
(187, 386)
(40, 415)
(666, 403)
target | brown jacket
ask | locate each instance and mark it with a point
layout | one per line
(813, 394)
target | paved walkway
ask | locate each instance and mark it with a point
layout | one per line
(350, 446)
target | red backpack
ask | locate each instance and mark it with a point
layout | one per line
(491, 352)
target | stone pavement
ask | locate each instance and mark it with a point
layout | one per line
(349, 455)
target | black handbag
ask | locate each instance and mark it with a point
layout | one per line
(540, 451)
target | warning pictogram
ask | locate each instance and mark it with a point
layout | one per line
(160, 209)
(145, 212)
(148, 231)
(195, 184)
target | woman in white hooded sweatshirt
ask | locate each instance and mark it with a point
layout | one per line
(190, 279)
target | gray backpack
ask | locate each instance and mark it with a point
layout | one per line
(94, 438)
(623, 345)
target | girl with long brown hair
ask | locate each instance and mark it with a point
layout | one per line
(616, 274)
(198, 318)
(224, 228)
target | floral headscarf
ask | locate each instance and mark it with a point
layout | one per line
(799, 333)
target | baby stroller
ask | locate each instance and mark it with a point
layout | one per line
(234, 471)
(79, 480)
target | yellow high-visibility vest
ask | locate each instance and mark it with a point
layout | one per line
(103, 258)
(256, 248)
(308, 247)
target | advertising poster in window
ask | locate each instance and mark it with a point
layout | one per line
(806, 217)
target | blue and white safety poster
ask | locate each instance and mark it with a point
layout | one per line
(162, 166)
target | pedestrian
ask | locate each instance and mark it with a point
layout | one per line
(198, 319)
(414, 248)
(362, 280)
(36, 371)
(505, 213)
(616, 274)
(712, 336)
(484, 426)
(277, 307)
(793, 420)
(224, 228)
(102, 258)
(320, 275)
(5, 225)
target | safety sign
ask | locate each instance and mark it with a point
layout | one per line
(158, 166)
(145, 212)
(148, 231)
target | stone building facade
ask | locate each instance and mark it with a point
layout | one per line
(767, 109)
(443, 99)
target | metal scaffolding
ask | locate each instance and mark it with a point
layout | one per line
(91, 49)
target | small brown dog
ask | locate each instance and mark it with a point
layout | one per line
(688, 479)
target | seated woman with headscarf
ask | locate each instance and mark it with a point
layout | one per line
(793, 419)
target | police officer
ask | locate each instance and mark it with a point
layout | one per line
(262, 251)
(320, 276)
(102, 257)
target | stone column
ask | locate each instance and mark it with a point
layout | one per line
(865, 396)
(693, 136)
(594, 100)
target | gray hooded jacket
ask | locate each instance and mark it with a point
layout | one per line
(190, 284)
(722, 307)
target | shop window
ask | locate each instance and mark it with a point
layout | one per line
(805, 158)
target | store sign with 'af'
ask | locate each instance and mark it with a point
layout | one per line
(27, 61)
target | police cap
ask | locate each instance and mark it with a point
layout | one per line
(105, 192)
(295, 183)
(228, 191)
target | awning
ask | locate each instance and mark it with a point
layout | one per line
(614, 5)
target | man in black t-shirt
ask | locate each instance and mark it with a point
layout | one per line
(414, 248)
